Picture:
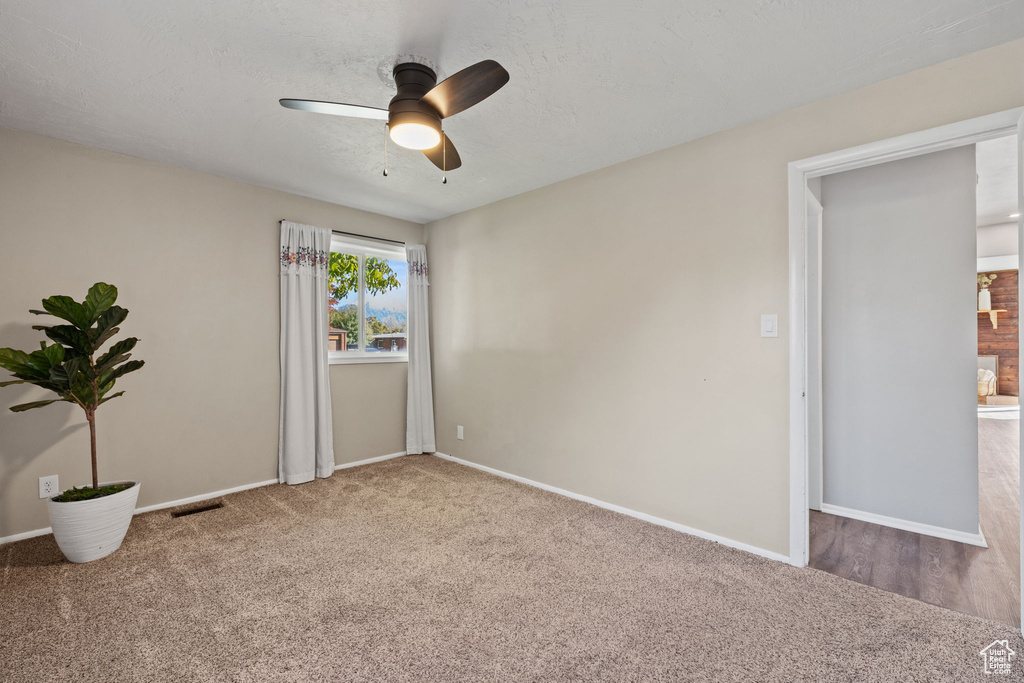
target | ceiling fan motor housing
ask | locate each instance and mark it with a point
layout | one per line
(413, 81)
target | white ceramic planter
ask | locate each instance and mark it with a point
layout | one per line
(87, 530)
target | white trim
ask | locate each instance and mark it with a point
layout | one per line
(340, 357)
(368, 461)
(771, 555)
(916, 527)
(203, 496)
(25, 534)
(914, 144)
(938, 139)
(1020, 333)
(799, 505)
(989, 263)
(813, 342)
(358, 246)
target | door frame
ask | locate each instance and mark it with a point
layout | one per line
(801, 319)
(815, 469)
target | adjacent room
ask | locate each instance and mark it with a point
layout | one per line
(915, 487)
(308, 370)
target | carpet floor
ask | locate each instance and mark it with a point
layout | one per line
(419, 569)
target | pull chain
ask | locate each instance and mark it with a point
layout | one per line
(444, 159)
(386, 130)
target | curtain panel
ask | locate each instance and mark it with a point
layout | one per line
(306, 448)
(419, 430)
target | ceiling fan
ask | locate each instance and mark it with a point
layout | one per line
(415, 112)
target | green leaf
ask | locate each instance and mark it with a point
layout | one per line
(54, 353)
(82, 391)
(380, 277)
(120, 371)
(343, 275)
(72, 365)
(87, 370)
(109, 359)
(69, 335)
(13, 381)
(11, 358)
(111, 362)
(101, 297)
(39, 359)
(106, 324)
(68, 309)
(58, 375)
(102, 339)
(34, 404)
(39, 363)
(63, 373)
(22, 365)
(111, 397)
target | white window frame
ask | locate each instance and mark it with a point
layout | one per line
(363, 249)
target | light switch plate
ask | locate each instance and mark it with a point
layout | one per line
(770, 325)
(458, 432)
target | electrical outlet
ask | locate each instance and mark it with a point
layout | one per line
(458, 432)
(48, 486)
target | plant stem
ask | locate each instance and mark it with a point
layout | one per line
(90, 415)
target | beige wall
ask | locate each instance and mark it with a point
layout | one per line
(196, 261)
(542, 305)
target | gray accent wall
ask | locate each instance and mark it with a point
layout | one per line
(899, 340)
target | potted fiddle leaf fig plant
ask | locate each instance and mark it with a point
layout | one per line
(88, 522)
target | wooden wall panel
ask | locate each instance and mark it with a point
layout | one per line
(1002, 342)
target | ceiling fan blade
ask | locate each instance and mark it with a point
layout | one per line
(444, 156)
(466, 88)
(337, 109)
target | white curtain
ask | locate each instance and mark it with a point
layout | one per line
(306, 448)
(419, 424)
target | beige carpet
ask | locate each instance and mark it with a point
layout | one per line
(418, 569)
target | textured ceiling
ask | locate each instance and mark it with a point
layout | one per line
(195, 83)
(997, 180)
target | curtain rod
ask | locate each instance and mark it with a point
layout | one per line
(356, 234)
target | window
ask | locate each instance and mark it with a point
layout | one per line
(368, 302)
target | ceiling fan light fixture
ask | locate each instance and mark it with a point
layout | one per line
(414, 135)
(414, 114)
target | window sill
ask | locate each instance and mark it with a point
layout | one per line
(368, 358)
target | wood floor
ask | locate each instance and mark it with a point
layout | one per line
(966, 578)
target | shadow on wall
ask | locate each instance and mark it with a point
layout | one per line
(24, 437)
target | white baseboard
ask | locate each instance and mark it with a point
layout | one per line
(204, 496)
(25, 534)
(902, 524)
(201, 497)
(771, 555)
(357, 463)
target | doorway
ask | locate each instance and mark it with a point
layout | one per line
(911, 546)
